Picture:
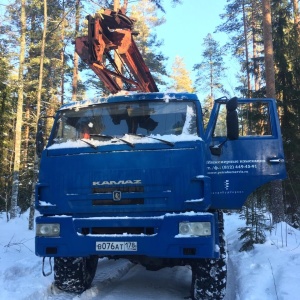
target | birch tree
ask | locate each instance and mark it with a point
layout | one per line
(19, 120)
(76, 58)
(38, 109)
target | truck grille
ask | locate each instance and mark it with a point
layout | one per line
(133, 201)
(123, 189)
(118, 230)
(117, 188)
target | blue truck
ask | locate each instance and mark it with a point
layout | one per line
(142, 176)
(136, 176)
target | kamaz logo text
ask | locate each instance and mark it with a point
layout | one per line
(112, 182)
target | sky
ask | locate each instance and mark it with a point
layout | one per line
(186, 26)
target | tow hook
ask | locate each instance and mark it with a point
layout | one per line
(50, 266)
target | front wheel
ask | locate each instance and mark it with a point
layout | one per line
(209, 276)
(73, 274)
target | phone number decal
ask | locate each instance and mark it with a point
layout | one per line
(231, 167)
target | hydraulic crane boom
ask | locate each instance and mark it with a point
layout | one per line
(111, 32)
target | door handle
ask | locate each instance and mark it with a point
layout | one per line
(275, 160)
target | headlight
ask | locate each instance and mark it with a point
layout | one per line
(47, 229)
(195, 228)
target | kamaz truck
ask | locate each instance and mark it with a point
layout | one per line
(142, 176)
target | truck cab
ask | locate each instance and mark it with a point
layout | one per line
(138, 176)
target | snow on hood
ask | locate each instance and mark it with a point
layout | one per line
(127, 137)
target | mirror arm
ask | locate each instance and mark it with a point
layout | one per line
(217, 149)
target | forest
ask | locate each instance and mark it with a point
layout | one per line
(39, 71)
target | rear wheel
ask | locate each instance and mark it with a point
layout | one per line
(73, 274)
(209, 277)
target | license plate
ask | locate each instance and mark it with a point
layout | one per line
(116, 246)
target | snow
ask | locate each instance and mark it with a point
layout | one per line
(44, 203)
(270, 271)
(167, 96)
(128, 138)
(194, 200)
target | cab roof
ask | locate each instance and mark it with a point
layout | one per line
(131, 96)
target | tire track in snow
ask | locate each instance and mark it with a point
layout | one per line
(141, 284)
(231, 286)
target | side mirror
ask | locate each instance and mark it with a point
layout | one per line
(232, 126)
(216, 150)
(232, 119)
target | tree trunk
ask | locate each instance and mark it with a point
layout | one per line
(256, 69)
(26, 137)
(19, 120)
(125, 5)
(277, 206)
(38, 108)
(268, 47)
(116, 56)
(296, 15)
(62, 56)
(75, 68)
(211, 76)
(246, 52)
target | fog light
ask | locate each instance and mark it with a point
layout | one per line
(195, 228)
(48, 229)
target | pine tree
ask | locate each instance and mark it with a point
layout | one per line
(7, 108)
(277, 207)
(257, 222)
(147, 19)
(285, 83)
(182, 81)
(242, 21)
(287, 61)
(211, 68)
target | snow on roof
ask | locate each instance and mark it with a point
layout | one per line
(130, 96)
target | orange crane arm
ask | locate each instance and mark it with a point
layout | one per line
(112, 32)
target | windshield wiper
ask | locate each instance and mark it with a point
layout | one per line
(89, 143)
(151, 137)
(106, 136)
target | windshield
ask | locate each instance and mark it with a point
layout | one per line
(112, 120)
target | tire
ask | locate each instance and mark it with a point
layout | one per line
(209, 276)
(73, 274)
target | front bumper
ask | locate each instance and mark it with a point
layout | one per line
(154, 236)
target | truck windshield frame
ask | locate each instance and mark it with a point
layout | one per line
(115, 120)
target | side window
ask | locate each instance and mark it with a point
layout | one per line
(254, 120)
(220, 127)
(64, 131)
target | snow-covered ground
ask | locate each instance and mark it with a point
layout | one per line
(269, 272)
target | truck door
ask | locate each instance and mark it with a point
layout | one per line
(253, 155)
